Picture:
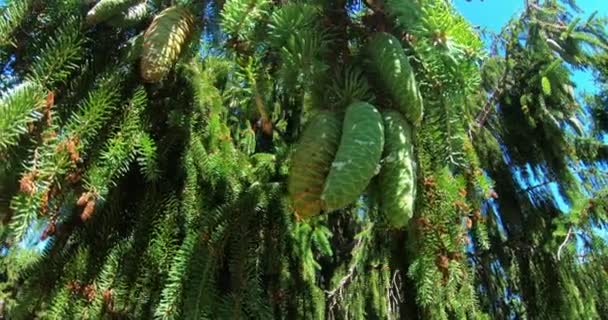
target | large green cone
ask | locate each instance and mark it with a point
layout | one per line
(311, 162)
(358, 156)
(394, 76)
(163, 42)
(397, 176)
(106, 9)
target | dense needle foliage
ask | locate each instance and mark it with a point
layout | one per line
(146, 147)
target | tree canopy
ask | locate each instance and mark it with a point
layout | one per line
(321, 159)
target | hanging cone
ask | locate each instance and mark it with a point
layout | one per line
(106, 9)
(398, 173)
(131, 16)
(358, 157)
(311, 162)
(394, 76)
(163, 42)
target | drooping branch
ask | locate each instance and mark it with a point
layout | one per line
(559, 250)
(346, 280)
(489, 106)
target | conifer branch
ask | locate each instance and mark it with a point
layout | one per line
(19, 108)
(334, 295)
(12, 17)
(490, 105)
(226, 244)
(57, 59)
(559, 250)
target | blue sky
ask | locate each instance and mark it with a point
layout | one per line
(494, 14)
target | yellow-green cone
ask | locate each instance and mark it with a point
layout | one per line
(106, 9)
(311, 162)
(163, 42)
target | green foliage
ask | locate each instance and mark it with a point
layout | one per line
(441, 254)
(19, 108)
(241, 19)
(119, 153)
(56, 61)
(168, 307)
(296, 32)
(347, 86)
(12, 16)
(51, 162)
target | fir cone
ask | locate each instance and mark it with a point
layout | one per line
(358, 156)
(311, 163)
(397, 178)
(163, 42)
(393, 74)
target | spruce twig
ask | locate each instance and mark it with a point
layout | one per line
(347, 279)
(559, 250)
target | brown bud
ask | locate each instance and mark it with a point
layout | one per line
(74, 176)
(88, 210)
(26, 184)
(493, 194)
(50, 100)
(424, 222)
(74, 286)
(50, 230)
(462, 192)
(107, 295)
(442, 262)
(44, 202)
(31, 127)
(72, 148)
(468, 222)
(429, 182)
(84, 198)
(477, 215)
(89, 292)
(455, 256)
(267, 126)
(75, 156)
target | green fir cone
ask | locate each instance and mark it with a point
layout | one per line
(393, 75)
(131, 16)
(106, 9)
(358, 156)
(311, 162)
(397, 176)
(163, 42)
